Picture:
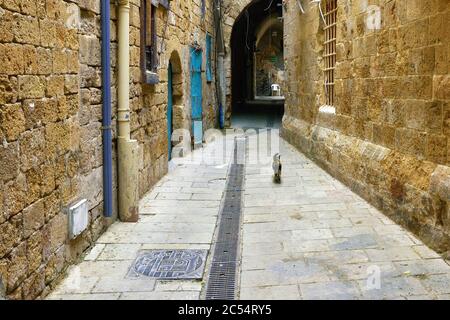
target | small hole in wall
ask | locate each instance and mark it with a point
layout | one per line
(442, 213)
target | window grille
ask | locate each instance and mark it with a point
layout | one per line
(149, 37)
(330, 28)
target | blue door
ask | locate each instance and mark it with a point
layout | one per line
(196, 95)
(209, 76)
(170, 110)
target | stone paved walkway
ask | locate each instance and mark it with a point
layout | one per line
(179, 213)
(313, 238)
(308, 238)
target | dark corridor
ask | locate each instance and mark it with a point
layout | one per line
(258, 66)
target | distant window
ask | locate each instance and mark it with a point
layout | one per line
(149, 40)
(209, 77)
(330, 15)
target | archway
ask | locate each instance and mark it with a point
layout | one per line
(257, 66)
(176, 115)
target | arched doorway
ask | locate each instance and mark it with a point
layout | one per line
(176, 115)
(170, 109)
(257, 66)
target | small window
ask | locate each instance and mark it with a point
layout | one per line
(209, 77)
(330, 15)
(149, 51)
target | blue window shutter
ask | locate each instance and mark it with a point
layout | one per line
(208, 58)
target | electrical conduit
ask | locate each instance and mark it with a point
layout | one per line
(106, 110)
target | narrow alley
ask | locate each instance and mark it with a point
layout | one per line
(308, 238)
(221, 150)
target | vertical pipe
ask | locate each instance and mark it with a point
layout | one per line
(127, 160)
(106, 110)
(123, 70)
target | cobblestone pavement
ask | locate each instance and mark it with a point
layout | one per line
(308, 238)
(312, 238)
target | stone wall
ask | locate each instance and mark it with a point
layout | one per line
(389, 136)
(50, 125)
(177, 30)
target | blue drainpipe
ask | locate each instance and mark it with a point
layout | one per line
(106, 110)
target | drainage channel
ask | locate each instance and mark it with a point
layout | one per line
(223, 272)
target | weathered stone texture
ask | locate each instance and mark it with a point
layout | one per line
(392, 93)
(50, 123)
(149, 102)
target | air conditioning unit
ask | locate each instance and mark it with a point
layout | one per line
(78, 218)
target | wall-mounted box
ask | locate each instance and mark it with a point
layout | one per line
(78, 218)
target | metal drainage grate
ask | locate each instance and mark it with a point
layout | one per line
(222, 276)
(222, 281)
(169, 264)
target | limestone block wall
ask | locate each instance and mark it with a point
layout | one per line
(389, 137)
(50, 125)
(177, 29)
(45, 135)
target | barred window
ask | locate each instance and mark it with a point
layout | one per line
(330, 15)
(149, 52)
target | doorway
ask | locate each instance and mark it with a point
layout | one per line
(257, 65)
(196, 96)
(170, 109)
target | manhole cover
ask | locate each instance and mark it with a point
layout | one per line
(169, 264)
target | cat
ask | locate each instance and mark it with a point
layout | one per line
(277, 168)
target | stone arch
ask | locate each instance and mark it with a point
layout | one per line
(177, 77)
(233, 9)
(235, 12)
(179, 113)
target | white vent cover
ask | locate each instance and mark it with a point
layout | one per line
(78, 218)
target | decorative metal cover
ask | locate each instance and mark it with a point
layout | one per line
(169, 264)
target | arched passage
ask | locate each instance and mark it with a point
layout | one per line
(257, 65)
(177, 77)
(176, 111)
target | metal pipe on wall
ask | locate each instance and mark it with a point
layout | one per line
(106, 110)
(128, 196)
(123, 69)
